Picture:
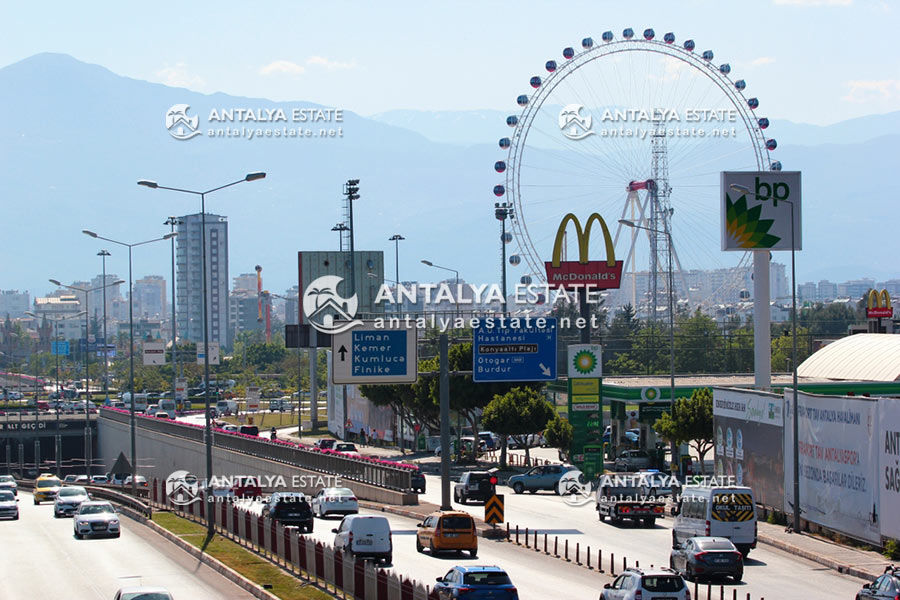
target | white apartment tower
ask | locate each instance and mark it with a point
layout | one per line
(189, 273)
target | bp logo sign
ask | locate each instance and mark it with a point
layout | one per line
(585, 360)
(650, 394)
(759, 208)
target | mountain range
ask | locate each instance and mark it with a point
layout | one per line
(76, 138)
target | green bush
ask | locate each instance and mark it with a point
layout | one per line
(892, 549)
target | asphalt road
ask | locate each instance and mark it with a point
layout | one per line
(42, 559)
(535, 577)
(768, 572)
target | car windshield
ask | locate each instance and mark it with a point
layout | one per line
(146, 596)
(479, 476)
(96, 509)
(487, 578)
(71, 491)
(48, 482)
(456, 523)
(6, 478)
(6, 496)
(339, 492)
(716, 545)
(345, 448)
(663, 583)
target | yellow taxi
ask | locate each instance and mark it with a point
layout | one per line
(447, 530)
(45, 488)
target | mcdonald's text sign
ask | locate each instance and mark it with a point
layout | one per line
(583, 273)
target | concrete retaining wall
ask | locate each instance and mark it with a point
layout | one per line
(159, 455)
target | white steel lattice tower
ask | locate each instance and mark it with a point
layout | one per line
(660, 218)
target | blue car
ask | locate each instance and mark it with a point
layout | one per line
(476, 583)
(545, 477)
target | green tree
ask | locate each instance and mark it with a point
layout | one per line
(691, 422)
(698, 345)
(783, 346)
(832, 319)
(559, 434)
(521, 410)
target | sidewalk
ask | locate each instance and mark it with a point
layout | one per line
(859, 563)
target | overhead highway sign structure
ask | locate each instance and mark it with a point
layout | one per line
(367, 354)
(515, 353)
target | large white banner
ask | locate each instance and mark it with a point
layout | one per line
(838, 462)
(889, 466)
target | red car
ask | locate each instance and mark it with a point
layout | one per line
(247, 486)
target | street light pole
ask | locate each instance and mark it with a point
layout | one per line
(173, 221)
(88, 442)
(455, 280)
(340, 228)
(132, 419)
(56, 321)
(503, 211)
(396, 238)
(104, 254)
(671, 303)
(210, 520)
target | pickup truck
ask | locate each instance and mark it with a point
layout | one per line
(620, 499)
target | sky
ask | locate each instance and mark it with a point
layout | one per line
(812, 61)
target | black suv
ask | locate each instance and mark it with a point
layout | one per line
(475, 485)
(417, 481)
(290, 509)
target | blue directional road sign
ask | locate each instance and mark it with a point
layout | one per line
(61, 348)
(368, 354)
(515, 350)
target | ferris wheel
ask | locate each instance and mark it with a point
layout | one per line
(633, 128)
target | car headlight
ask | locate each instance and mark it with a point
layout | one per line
(114, 522)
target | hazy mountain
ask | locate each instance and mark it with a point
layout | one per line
(475, 126)
(77, 137)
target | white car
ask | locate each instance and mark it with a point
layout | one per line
(68, 499)
(347, 448)
(335, 501)
(140, 481)
(646, 584)
(96, 517)
(99, 479)
(8, 483)
(143, 593)
(9, 505)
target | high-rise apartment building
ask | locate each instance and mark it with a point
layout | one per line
(14, 304)
(150, 297)
(189, 278)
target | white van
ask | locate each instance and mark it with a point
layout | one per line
(226, 407)
(721, 511)
(365, 536)
(140, 401)
(166, 406)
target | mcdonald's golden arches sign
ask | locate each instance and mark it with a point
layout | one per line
(878, 305)
(594, 274)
